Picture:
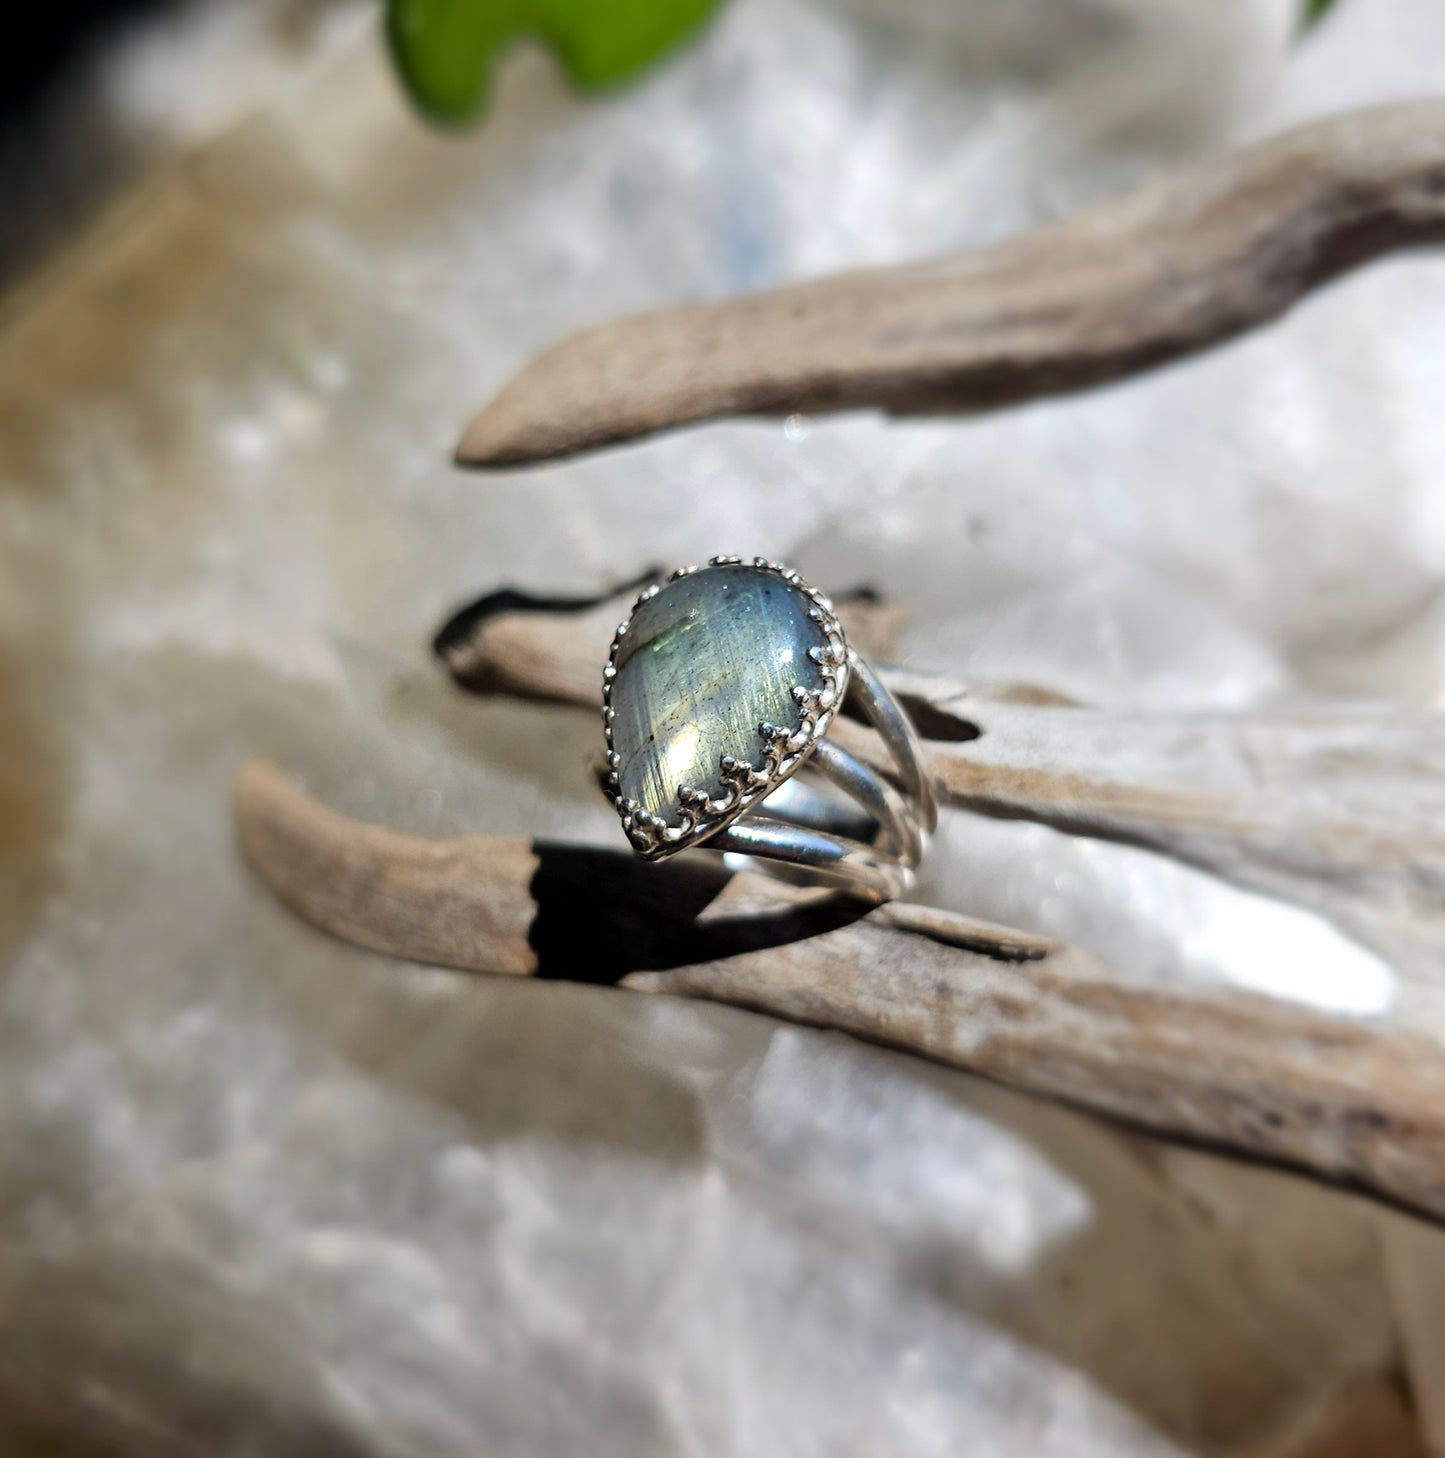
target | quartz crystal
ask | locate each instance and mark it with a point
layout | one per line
(704, 663)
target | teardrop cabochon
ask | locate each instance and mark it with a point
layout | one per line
(702, 665)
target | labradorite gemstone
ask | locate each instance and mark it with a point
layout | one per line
(704, 663)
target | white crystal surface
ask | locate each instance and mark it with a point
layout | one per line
(263, 1193)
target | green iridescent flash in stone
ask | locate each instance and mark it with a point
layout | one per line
(706, 661)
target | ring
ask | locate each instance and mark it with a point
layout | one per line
(720, 686)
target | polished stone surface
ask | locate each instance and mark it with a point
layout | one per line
(712, 656)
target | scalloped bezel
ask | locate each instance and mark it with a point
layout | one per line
(782, 749)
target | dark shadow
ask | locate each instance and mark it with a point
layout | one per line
(465, 621)
(604, 914)
(464, 624)
(58, 157)
(53, 40)
(937, 724)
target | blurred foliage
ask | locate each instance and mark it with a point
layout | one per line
(445, 49)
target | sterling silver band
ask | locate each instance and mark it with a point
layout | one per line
(863, 823)
(904, 814)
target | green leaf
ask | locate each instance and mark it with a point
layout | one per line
(1315, 11)
(445, 49)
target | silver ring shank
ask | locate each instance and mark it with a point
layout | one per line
(827, 859)
(896, 730)
(904, 812)
(899, 825)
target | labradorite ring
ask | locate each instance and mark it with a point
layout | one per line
(720, 686)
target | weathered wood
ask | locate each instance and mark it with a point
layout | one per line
(400, 894)
(1120, 287)
(1355, 1103)
(1338, 808)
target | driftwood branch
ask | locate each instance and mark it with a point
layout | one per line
(1354, 1103)
(1339, 809)
(1111, 291)
(553, 649)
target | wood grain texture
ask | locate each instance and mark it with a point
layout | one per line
(1356, 1103)
(1338, 808)
(1118, 288)
(400, 894)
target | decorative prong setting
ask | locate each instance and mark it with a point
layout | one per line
(781, 748)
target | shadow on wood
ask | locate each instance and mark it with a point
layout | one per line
(1352, 1102)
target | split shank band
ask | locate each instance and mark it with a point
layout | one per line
(721, 685)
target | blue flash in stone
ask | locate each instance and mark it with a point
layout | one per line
(704, 663)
